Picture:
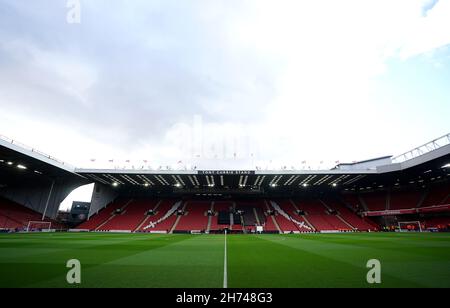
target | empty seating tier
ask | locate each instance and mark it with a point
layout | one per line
(132, 215)
(349, 216)
(16, 216)
(195, 218)
(98, 220)
(437, 195)
(375, 201)
(405, 199)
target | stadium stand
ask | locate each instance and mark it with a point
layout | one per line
(147, 216)
(249, 217)
(270, 224)
(319, 216)
(161, 210)
(405, 199)
(96, 222)
(353, 201)
(315, 213)
(259, 213)
(349, 197)
(166, 225)
(375, 201)
(195, 218)
(219, 206)
(131, 217)
(342, 213)
(252, 213)
(440, 223)
(287, 225)
(350, 217)
(437, 195)
(16, 216)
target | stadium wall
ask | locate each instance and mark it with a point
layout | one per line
(43, 197)
(101, 197)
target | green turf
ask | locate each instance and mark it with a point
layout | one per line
(137, 260)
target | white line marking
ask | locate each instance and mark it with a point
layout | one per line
(225, 274)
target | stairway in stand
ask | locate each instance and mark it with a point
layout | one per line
(210, 217)
(147, 218)
(99, 227)
(272, 217)
(177, 221)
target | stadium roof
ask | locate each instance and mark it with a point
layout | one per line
(368, 174)
(19, 163)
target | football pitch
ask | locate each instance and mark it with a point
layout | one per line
(215, 261)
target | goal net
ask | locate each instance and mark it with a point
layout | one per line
(39, 226)
(410, 226)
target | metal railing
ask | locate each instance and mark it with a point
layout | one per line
(423, 149)
(33, 150)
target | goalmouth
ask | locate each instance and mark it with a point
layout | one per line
(409, 226)
(39, 226)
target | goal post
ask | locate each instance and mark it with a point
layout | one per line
(39, 226)
(409, 226)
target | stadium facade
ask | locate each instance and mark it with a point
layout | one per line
(360, 196)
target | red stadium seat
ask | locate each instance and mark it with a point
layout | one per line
(196, 218)
(405, 199)
(16, 216)
(437, 195)
(131, 217)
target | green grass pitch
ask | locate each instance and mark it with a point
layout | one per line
(197, 261)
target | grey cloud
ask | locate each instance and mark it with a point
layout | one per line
(156, 62)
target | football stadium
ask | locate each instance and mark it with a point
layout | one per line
(228, 228)
(230, 148)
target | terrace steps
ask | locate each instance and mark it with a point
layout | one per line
(308, 223)
(273, 217)
(338, 215)
(112, 216)
(326, 206)
(256, 216)
(345, 222)
(208, 227)
(294, 205)
(422, 199)
(178, 219)
(305, 219)
(157, 205)
(363, 203)
(105, 222)
(146, 217)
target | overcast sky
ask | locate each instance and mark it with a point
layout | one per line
(249, 82)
